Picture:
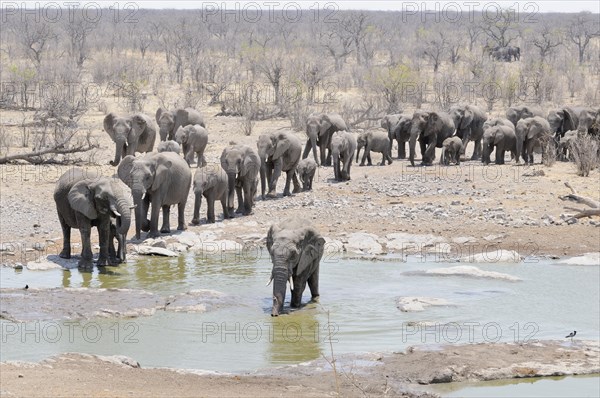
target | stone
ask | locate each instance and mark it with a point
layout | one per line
(466, 271)
(360, 242)
(494, 256)
(153, 251)
(414, 304)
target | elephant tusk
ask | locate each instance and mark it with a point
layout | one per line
(132, 207)
(291, 283)
(270, 280)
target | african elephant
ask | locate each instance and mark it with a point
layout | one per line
(170, 121)
(469, 120)
(319, 129)
(589, 121)
(278, 151)
(168, 146)
(242, 165)
(398, 127)
(516, 113)
(131, 134)
(503, 138)
(563, 119)
(210, 182)
(343, 145)
(451, 149)
(431, 129)
(163, 179)
(296, 249)
(564, 146)
(306, 172)
(376, 141)
(530, 133)
(514, 53)
(193, 140)
(501, 54)
(85, 200)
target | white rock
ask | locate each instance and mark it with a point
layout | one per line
(360, 242)
(586, 259)
(469, 271)
(51, 262)
(413, 304)
(461, 240)
(334, 246)
(156, 251)
(494, 256)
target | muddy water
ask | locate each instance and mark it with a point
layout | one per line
(357, 311)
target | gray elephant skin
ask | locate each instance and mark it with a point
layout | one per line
(430, 129)
(296, 249)
(169, 146)
(211, 182)
(306, 172)
(376, 141)
(160, 180)
(530, 133)
(501, 138)
(589, 121)
(131, 134)
(469, 120)
(278, 151)
(398, 127)
(170, 121)
(193, 139)
(319, 130)
(343, 144)
(516, 113)
(85, 200)
(451, 149)
(564, 146)
(242, 165)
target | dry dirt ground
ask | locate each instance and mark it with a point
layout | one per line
(399, 374)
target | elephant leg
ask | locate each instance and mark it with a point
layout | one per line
(364, 158)
(322, 153)
(238, 191)
(401, 150)
(197, 205)
(296, 182)
(85, 230)
(146, 206)
(210, 212)
(224, 206)
(313, 284)
(103, 237)
(66, 230)
(181, 216)
(288, 180)
(299, 286)
(429, 155)
(499, 155)
(166, 226)
(477, 150)
(277, 166)
(248, 197)
(154, 213)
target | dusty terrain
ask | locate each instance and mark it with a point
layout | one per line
(399, 374)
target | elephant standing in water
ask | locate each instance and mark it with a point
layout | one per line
(376, 141)
(210, 182)
(130, 134)
(343, 145)
(431, 129)
(319, 129)
(469, 120)
(170, 121)
(532, 132)
(242, 165)
(85, 200)
(278, 151)
(160, 179)
(296, 249)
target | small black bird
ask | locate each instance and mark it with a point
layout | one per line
(26, 287)
(571, 335)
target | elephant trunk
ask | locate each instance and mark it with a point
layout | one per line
(358, 148)
(120, 150)
(485, 156)
(231, 177)
(412, 143)
(263, 170)
(280, 278)
(123, 224)
(520, 154)
(313, 144)
(336, 166)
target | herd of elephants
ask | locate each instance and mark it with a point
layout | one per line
(158, 180)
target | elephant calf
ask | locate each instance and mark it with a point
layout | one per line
(85, 200)
(343, 146)
(169, 146)
(376, 141)
(296, 249)
(210, 182)
(451, 150)
(306, 171)
(193, 139)
(502, 138)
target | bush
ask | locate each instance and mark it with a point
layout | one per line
(585, 149)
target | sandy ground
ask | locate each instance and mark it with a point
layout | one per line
(400, 374)
(473, 207)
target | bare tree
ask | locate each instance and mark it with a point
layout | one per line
(502, 30)
(434, 48)
(337, 43)
(547, 40)
(272, 67)
(355, 25)
(581, 31)
(34, 38)
(78, 32)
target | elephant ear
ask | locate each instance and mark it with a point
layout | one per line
(325, 124)
(181, 135)
(569, 120)
(250, 162)
(312, 250)
(282, 145)
(109, 120)
(81, 199)
(161, 173)
(385, 123)
(159, 113)
(124, 170)
(270, 239)
(467, 118)
(498, 136)
(138, 124)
